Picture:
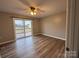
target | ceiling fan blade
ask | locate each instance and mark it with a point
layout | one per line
(40, 10)
(22, 9)
(25, 2)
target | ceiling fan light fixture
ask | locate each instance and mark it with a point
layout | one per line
(33, 13)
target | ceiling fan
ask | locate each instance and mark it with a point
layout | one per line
(33, 10)
(30, 8)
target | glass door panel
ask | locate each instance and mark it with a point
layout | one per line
(19, 26)
(28, 28)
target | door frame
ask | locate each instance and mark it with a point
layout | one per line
(71, 27)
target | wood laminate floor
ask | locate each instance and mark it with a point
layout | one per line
(34, 47)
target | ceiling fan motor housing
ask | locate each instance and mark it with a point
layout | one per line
(32, 8)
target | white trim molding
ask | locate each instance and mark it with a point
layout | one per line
(54, 36)
(7, 42)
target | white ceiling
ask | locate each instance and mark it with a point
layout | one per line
(49, 6)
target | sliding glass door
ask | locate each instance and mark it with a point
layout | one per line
(23, 28)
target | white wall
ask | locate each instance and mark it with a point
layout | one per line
(7, 31)
(54, 25)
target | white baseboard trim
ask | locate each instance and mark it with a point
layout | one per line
(7, 42)
(54, 36)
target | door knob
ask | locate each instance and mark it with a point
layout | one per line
(67, 49)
